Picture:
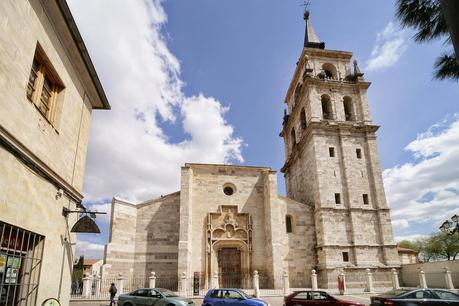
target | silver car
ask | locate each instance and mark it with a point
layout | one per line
(153, 296)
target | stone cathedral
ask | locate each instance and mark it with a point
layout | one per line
(230, 220)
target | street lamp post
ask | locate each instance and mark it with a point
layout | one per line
(451, 227)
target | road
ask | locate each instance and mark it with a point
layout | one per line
(273, 301)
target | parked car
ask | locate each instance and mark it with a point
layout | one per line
(230, 297)
(430, 297)
(153, 296)
(309, 297)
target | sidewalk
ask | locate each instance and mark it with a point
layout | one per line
(272, 300)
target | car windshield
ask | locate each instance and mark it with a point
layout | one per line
(245, 295)
(396, 292)
(167, 293)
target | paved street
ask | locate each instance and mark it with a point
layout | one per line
(274, 301)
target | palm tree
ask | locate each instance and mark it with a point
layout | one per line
(426, 18)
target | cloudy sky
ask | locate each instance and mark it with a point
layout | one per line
(204, 81)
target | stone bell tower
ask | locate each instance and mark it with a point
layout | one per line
(332, 162)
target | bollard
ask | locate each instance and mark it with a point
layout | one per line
(98, 283)
(422, 279)
(152, 279)
(285, 284)
(369, 278)
(448, 279)
(256, 284)
(342, 283)
(183, 283)
(87, 282)
(214, 280)
(394, 277)
(120, 283)
(314, 280)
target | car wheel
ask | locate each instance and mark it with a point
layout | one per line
(127, 304)
(170, 305)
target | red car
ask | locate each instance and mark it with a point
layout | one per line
(299, 298)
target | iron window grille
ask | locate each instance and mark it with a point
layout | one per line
(21, 254)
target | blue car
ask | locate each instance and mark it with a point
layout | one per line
(230, 297)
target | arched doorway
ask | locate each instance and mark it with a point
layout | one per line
(229, 266)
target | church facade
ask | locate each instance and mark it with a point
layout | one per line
(230, 220)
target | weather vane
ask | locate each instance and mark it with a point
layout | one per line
(306, 4)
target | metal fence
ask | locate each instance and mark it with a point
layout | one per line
(268, 285)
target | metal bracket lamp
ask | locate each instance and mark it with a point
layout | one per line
(451, 227)
(86, 223)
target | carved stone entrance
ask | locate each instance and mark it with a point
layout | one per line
(229, 265)
(229, 246)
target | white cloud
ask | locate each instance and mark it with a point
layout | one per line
(89, 250)
(425, 192)
(389, 47)
(409, 237)
(129, 153)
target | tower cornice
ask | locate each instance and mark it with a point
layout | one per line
(323, 126)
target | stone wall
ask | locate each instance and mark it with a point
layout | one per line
(157, 235)
(434, 272)
(300, 254)
(120, 251)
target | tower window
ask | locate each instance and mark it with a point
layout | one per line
(289, 224)
(293, 137)
(298, 93)
(346, 256)
(365, 198)
(331, 151)
(358, 153)
(327, 112)
(330, 71)
(303, 119)
(348, 109)
(337, 198)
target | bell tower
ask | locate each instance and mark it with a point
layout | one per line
(331, 161)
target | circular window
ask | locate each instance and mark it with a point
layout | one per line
(229, 189)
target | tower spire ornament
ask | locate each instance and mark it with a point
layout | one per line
(310, 38)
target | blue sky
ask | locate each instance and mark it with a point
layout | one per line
(179, 73)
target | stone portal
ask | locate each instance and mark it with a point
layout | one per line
(229, 246)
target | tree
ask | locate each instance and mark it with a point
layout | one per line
(444, 246)
(413, 245)
(426, 18)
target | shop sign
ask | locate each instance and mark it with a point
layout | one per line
(2, 263)
(12, 270)
(12, 242)
(196, 283)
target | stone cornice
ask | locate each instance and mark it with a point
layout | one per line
(249, 168)
(28, 158)
(350, 209)
(342, 127)
(357, 245)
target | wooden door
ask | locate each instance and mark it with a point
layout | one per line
(229, 266)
